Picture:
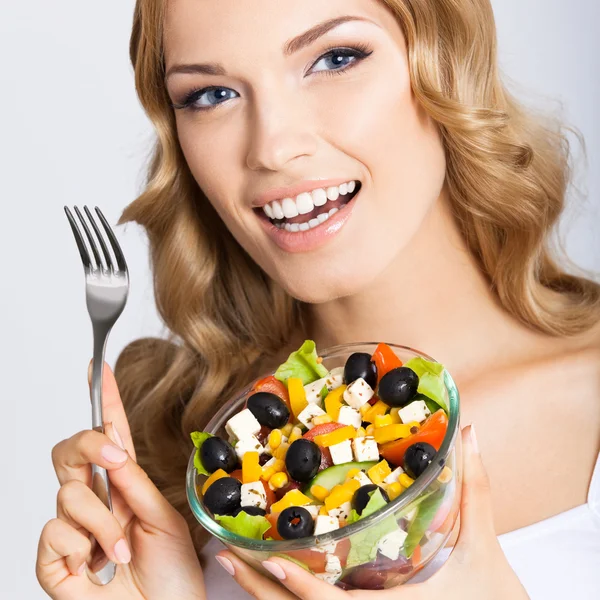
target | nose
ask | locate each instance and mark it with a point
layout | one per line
(281, 131)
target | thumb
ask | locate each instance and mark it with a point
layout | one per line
(476, 515)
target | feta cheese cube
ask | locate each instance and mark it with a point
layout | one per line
(359, 392)
(242, 425)
(253, 494)
(341, 453)
(391, 544)
(248, 444)
(341, 512)
(415, 411)
(313, 391)
(362, 478)
(335, 378)
(332, 564)
(365, 448)
(313, 509)
(349, 416)
(309, 413)
(394, 475)
(325, 524)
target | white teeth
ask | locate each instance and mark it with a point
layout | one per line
(295, 227)
(277, 210)
(268, 210)
(304, 227)
(333, 193)
(304, 203)
(351, 187)
(289, 207)
(322, 217)
(319, 197)
(314, 223)
(333, 211)
(343, 189)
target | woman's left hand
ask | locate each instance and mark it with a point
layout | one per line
(477, 567)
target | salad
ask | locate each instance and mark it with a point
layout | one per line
(314, 450)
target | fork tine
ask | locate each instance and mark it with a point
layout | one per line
(88, 233)
(113, 242)
(109, 262)
(85, 257)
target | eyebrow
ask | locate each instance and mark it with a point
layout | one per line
(292, 46)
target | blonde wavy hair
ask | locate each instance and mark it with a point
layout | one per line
(507, 176)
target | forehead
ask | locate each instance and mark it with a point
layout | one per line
(215, 30)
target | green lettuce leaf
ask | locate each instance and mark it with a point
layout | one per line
(250, 526)
(431, 380)
(198, 438)
(363, 545)
(302, 364)
(431, 405)
(422, 520)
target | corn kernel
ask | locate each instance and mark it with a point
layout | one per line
(275, 439)
(321, 420)
(370, 430)
(394, 490)
(364, 409)
(446, 475)
(278, 465)
(251, 469)
(296, 434)
(379, 472)
(287, 429)
(216, 475)
(352, 473)
(280, 452)
(279, 480)
(319, 492)
(405, 481)
(335, 437)
(323, 511)
(267, 473)
(360, 432)
(382, 420)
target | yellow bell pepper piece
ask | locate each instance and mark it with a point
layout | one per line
(216, 475)
(405, 480)
(379, 408)
(394, 490)
(379, 472)
(335, 437)
(352, 473)
(341, 493)
(251, 469)
(389, 433)
(297, 394)
(333, 402)
(383, 420)
(319, 492)
(394, 414)
(292, 498)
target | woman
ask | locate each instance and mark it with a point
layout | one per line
(440, 242)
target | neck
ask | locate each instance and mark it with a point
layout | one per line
(433, 298)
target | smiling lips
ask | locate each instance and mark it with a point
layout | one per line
(310, 209)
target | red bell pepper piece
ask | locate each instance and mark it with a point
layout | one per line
(385, 360)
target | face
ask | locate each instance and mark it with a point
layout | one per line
(278, 104)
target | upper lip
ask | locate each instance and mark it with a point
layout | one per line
(292, 191)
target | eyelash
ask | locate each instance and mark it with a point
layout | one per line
(358, 51)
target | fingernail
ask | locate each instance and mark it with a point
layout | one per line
(113, 454)
(81, 569)
(90, 370)
(226, 564)
(122, 552)
(118, 438)
(474, 439)
(274, 569)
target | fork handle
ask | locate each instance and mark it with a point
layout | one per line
(100, 569)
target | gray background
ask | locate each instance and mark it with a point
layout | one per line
(72, 132)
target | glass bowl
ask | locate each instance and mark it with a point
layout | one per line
(427, 509)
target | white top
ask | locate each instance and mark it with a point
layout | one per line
(556, 558)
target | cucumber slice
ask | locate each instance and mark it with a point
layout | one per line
(335, 475)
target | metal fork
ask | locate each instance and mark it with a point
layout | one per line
(106, 287)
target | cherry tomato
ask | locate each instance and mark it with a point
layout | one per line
(385, 360)
(432, 432)
(272, 532)
(314, 560)
(321, 429)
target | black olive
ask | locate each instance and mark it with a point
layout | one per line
(295, 522)
(216, 454)
(362, 497)
(223, 497)
(358, 365)
(398, 387)
(250, 510)
(417, 458)
(302, 460)
(268, 409)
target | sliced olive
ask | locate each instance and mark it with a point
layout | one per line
(398, 387)
(268, 409)
(417, 458)
(363, 495)
(216, 454)
(295, 522)
(250, 510)
(358, 365)
(302, 460)
(223, 497)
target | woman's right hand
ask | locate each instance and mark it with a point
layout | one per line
(146, 536)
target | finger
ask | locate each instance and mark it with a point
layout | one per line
(255, 584)
(112, 407)
(72, 457)
(61, 552)
(78, 506)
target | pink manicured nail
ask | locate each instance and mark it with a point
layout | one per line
(122, 552)
(274, 569)
(81, 569)
(474, 438)
(226, 564)
(113, 454)
(118, 438)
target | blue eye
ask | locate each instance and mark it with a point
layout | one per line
(207, 98)
(337, 59)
